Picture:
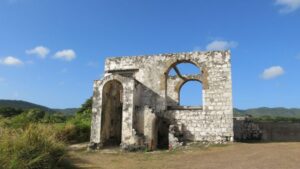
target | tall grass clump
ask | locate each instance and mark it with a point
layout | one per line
(33, 147)
(78, 128)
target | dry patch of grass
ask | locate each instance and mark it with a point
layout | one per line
(232, 156)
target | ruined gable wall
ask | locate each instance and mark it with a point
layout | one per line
(212, 123)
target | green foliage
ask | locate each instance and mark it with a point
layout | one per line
(35, 138)
(86, 107)
(78, 128)
(32, 116)
(82, 126)
(35, 115)
(54, 118)
(9, 111)
(36, 146)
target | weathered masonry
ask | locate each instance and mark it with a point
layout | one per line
(137, 103)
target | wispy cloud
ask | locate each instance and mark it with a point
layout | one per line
(66, 54)
(11, 61)
(40, 51)
(272, 72)
(288, 6)
(221, 45)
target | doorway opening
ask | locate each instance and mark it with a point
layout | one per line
(111, 118)
(163, 126)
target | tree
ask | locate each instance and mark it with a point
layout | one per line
(35, 115)
(86, 107)
(9, 111)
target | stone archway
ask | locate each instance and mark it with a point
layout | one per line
(111, 118)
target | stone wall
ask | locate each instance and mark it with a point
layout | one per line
(280, 131)
(245, 129)
(150, 95)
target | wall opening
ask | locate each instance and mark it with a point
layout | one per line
(111, 119)
(163, 126)
(190, 94)
(180, 73)
(184, 68)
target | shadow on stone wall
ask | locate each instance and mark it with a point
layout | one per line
(246, 130)
(163, 119)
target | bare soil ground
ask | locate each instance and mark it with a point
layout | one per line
(232, 156)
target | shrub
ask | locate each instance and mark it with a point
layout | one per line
(9, 111)
(76, 130)
(36, 146)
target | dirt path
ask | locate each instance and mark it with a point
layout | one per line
(234, 156)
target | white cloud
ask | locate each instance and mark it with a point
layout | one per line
(288, 5)
(272, 72)
(11, 61)
(221, 45)
(66, 54)
(40, 51)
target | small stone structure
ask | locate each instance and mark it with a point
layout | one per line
(136, 104)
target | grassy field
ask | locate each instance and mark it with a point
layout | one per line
(232, 156)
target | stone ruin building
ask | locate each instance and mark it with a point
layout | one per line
(136, 104)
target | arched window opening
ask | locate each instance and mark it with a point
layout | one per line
(178, 73)
(191, 94)
(184, 69)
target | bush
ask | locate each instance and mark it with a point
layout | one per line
(54, 118)
(76, 130)
(33, 147)
(9, 111)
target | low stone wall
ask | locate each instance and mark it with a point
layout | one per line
(280, 131)
(245, 129)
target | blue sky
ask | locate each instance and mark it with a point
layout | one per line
(52, 50)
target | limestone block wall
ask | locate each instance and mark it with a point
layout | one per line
(149, 92)
(127, 109)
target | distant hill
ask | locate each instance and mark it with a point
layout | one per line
(19, 104)
(256, 112)
(265, 111)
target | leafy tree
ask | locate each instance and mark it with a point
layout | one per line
(9, 111)
(35, 115)
(86, 107)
